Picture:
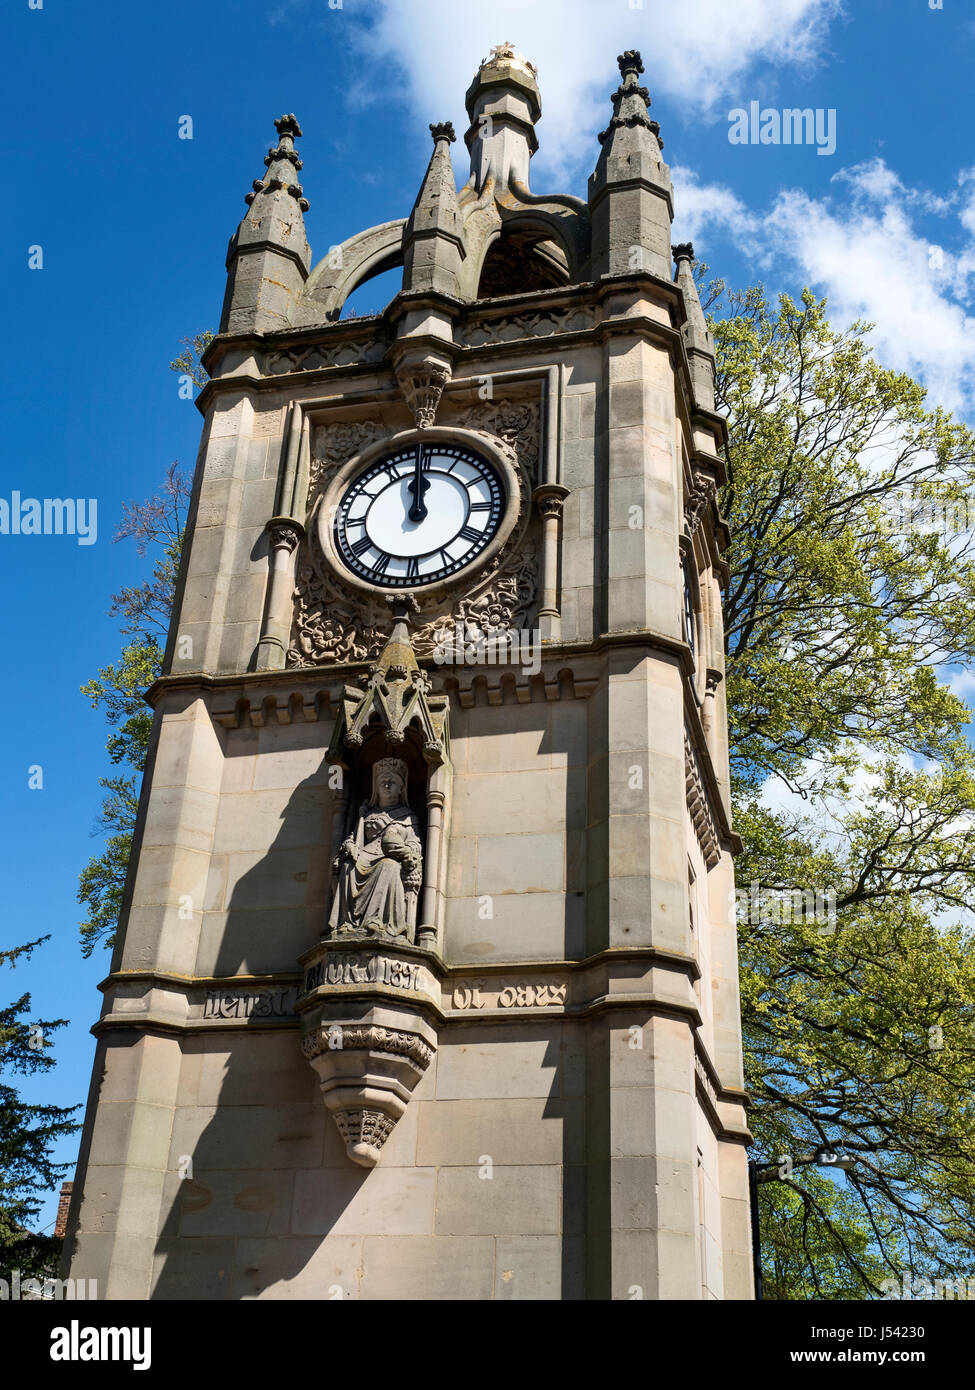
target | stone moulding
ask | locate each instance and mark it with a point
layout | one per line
(511, 328)
(335, 1037)
(370, 352)
(511, 686)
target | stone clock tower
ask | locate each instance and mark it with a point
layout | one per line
(426, 982)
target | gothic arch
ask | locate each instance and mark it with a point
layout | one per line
(362, 257)
(558, 232)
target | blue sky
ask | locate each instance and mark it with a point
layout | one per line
(134, 223)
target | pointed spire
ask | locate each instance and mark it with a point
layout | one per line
(433, 245)
(282, 164)
(269, 257)
(630, 100)
(503, 103)
(630, 193)
(697, 336)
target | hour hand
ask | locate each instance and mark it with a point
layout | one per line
(417, 486)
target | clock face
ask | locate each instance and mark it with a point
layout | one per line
(418, 515)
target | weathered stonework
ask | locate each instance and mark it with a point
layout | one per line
(405, 904)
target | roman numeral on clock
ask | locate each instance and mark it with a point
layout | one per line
(470, 534)
(361, 545)
(412, 568)
(380, 566)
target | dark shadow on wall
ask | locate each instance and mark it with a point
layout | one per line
(270, 1179)
(267, 1152)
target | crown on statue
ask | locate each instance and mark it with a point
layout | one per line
(395, 765)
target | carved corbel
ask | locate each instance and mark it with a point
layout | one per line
(702, 494)
(422, 382)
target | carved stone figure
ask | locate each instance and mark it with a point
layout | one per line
(380, 868)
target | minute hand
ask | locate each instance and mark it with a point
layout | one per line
(418, 485)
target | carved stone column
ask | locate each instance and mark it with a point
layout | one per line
(549, 500)
(428, 928)
(713, 680)
(284, 536)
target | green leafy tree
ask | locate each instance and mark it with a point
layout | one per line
(187, 363)
(157, 526)
(852, 595)
(118, 689)
(27, 1133)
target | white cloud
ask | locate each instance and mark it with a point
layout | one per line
(863, 244)
(693, 52)
(702, 208)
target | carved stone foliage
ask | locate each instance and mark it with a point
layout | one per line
(336, 623)
(538, 325)
(335, 444)
(697, 804)
(344, 1037)
(307, 359)
(422, 385)
(703, 492)
(518, 423)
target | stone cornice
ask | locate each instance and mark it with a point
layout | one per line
(245, 248)
(338, 333)
(299, 678)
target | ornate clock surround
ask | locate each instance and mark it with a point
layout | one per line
(493, 450)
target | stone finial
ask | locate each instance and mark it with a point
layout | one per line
(282, 154)
(443, 130)
(288, 126)
(271, 242)
(503, 103)
(507, 53)
(683, 251)
(631, 101)
(396, 696)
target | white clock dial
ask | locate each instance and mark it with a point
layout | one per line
(418, 515)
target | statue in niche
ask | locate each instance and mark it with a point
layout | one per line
(380, 867)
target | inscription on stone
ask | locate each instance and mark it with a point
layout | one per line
(270, 1003)
(526, 995)
(363, 970)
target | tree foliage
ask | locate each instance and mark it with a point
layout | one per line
(157, 526)
(852, 596)
(27, 1132)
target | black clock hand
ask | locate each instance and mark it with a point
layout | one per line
(418, 486)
